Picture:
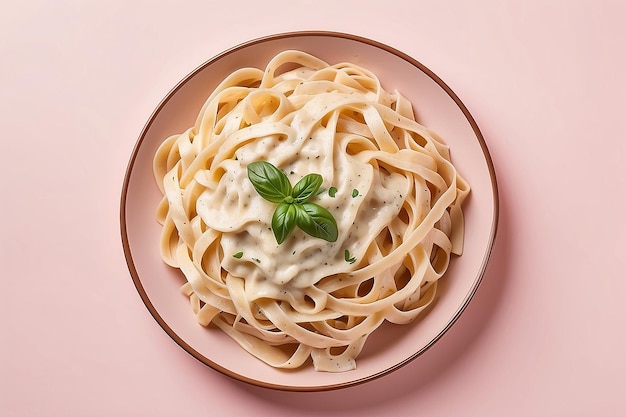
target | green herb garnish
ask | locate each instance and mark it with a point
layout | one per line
(238, 255)
(332, 191)
(355, 193)
(294, 208)
(348, 258)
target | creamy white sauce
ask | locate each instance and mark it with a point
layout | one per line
(244, 217)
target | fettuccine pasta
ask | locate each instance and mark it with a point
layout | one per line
(388, 181)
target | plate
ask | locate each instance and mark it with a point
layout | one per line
(435, 105)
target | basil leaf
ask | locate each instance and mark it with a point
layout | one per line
(316, 221)
(306, 187)
(270, 182)
(284, 221)
(293, 207)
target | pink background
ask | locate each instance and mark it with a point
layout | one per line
(545, 333)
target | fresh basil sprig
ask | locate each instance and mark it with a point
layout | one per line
(294, 208)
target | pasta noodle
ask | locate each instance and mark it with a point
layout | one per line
(387, 180)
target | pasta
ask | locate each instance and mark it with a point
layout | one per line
(387, 180)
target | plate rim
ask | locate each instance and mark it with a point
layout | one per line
(273, 37)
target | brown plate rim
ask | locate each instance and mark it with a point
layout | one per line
(295, 34)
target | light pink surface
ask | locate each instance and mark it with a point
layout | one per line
(544, 80)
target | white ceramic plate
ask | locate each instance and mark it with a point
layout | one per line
(436, 106)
